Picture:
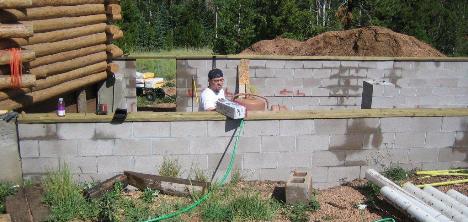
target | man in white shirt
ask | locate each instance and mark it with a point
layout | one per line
(214, 92)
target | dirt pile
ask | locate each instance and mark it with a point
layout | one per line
(368, 41)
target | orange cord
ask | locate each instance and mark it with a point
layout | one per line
(16, 70)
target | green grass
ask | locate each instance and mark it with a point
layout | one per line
(170, 168)
(6, 189)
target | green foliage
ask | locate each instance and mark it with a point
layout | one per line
(65, 198)
(6, 189)
(299, 212)
(149, 195)
(396, 174)
(236, 177)
(170, 168)
(200, 175)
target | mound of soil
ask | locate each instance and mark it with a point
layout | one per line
(368, 41)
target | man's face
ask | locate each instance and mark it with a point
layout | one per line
(216, 84)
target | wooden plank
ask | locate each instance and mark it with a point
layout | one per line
(40, 3)
(105, 186)
(114, 51)
(34, 194)
(5, 218)
(26, 56)
(81, 101)
(48, 12)
(166, 185)
(15, 31)
(253, 116)
(48, 25)
(26, 81)
(18, 208)
(15, 3)
(64, 56)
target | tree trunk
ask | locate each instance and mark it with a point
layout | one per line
(55, 36)
(47, 25)
(64, 56)
(49, 12)
(26, 56)
(26, 81)
(15, 31)
(45, 94)
(113, 9)
(114, 51)
(15, 3)
(67, 45)
(67, 76)
(60, 67)
(40, 3)
(114, 32)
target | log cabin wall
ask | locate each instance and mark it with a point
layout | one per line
(66, 51)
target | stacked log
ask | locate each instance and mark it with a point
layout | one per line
(66, 45)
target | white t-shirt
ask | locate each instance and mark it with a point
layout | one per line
(208, 99)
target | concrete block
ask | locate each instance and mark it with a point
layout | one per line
(322, 92)
(385, 64)
(75, 130)
(220, 162)
(132, 147)
(350, 63)
(260, 161)
(58, 148)
(376, 74)
(328, 158)
(452, 124)
(261, 128)
(80, 164)
(264, 73)
(223, 128)
(148, 164)
(170, 146)
(410, 140)
(95, 147)
(331, 64)
(378, 140)
(367, 64)
(188, 162)
(310, 83)
(312, 64)
(319, 174)
(343, 174)
(328, 101)
(440, 140)
(151, 129)
(420, 155)
(408, 124)
(37, 131)
(367, 125)
(404, 65)
(189, 129)
(29, 148)
(250, 145)
(276, 64)
(439, 91)
(39, 165)
(312, 143)
(296, 159)
(298, 188)
(453, 154)
(281, 174)
(331, 126)
(346, 141)
(294, 64)
(115, 164)
(113, 131)
(208, 145)
(296, 127)
(278, 143)
(461, 140)
(196, 63)
(257, 63)
(359, 157)
(443, 82)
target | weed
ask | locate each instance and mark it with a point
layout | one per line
(170, 168)
(6, 189)
(236, 177)
(395, 174)
(149, 195)
(314, 205)
(250, 206)
(200, 175)
(65, 198)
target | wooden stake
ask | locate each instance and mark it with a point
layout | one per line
(55, 36)
(40, 3)
(15, 30)
(47, 25)
(67, 45)
(26, 81)
(68, 76)
(81, 101)
(60, 67)
(114, 51)
(48, 12)
(45, 94)
(64, 56)
(15, 3)
(26, 56)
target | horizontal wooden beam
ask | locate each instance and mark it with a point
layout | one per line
(253, 116)
(48, 25)
(26, 81)
(26, 56)
(48, 12)
(63, 56)
(15, 3)
(15, 31)
(41, 3)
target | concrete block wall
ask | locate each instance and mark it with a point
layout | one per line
(10, 165)
(332, 150)
(334, 84)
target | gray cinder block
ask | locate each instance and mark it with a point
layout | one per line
(298, 188)
(368, 92)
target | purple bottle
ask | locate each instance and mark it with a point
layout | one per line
(61, 107)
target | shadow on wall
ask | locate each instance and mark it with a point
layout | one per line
(461, 145)
(345, 86)
(358, 136)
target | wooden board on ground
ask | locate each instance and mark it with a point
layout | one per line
(105, 186)
(166, 185)
(17, 207)
(39, 211)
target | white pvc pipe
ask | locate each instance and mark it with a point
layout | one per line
(381, 181)
(458, 196)
(434, 203)
(451, 202)
(401, 202)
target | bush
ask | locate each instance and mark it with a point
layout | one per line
(170, 168)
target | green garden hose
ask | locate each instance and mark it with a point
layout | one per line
(205, 197)
(386, 220)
